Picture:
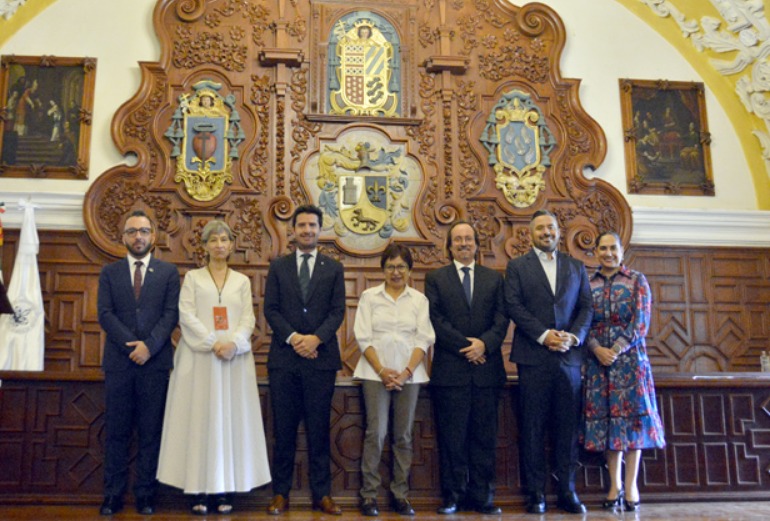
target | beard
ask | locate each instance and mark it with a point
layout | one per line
(138, 249)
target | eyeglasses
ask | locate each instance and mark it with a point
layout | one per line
(401, 268)
(144, 232)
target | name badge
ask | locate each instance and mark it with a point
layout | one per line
(220, 318)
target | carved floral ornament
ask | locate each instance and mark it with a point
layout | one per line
(745, 33)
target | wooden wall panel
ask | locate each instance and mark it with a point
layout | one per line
(711, 306)
(718, 433)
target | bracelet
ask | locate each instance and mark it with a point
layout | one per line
(381, 370)
(411, 374)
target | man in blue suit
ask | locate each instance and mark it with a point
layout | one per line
(549, 300)
(468, 315)
(304, 305)
(138, 306)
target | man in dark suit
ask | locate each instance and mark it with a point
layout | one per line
(138, 307)
(549, 300)
(468, 315)
(304, 305)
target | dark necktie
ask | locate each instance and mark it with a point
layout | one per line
(304, 275)
(138, 279)
(467, 283)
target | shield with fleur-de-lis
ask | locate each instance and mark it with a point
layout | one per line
(364, 202)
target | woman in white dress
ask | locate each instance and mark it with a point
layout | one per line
(213, 439)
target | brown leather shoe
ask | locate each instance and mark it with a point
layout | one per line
(278, 505)
(327, 506)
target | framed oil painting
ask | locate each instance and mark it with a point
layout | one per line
(46, 104)
(666, 138)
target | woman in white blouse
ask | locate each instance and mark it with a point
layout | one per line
(394, 332)
(213, 439)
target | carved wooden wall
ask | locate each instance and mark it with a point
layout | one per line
(52, 430)
(455, 62)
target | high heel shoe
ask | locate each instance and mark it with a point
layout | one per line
(609, 504)
(631, 506)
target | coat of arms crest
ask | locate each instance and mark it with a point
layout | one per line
(205, 132)
(363, 70)
(363, 189)
(519, 144)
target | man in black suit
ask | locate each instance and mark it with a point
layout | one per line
(468, 315)
(549, 300)
(304, 305)
(138, 307)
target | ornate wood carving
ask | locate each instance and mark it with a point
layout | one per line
(457, 58)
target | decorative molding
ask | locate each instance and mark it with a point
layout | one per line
(8, 8)
(54, 211)
(744, 33)
(700, 227)
(652, 226)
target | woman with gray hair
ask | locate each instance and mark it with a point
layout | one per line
(213, 440)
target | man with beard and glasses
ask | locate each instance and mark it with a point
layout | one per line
(549, 300)
(468, 315)
(304, 305)
(138, 306)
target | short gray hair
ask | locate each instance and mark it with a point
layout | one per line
(216, 226)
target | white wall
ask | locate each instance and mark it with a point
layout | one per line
(118, 33)
(603, 44)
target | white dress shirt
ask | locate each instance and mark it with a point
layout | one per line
(471, 273)
(132, 267)
(394, 328)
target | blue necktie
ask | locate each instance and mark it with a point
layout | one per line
(304, 275)
(467, 283)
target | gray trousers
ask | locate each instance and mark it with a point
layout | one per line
(378, 401)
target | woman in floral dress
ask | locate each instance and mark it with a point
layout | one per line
(621, 415)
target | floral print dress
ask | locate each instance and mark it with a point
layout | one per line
(620, 408)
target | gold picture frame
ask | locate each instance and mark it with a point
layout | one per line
(667, 142)
(46, 107)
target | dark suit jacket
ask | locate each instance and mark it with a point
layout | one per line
(321, 315)
(455, 321)
(151, 319)
(534, 308)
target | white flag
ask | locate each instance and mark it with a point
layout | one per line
(22, 335)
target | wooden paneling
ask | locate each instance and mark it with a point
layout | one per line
(710, 313)
(717, 429)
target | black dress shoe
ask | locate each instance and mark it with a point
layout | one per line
(111, 505)
(536, 504)
(489, 510)
(145, 506)
(369, 507)
(448, 507)
(403, 507)
(569, 502)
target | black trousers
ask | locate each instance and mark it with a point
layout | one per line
(301, 395)
(466, 421)
(549, 399)
(134, 400)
